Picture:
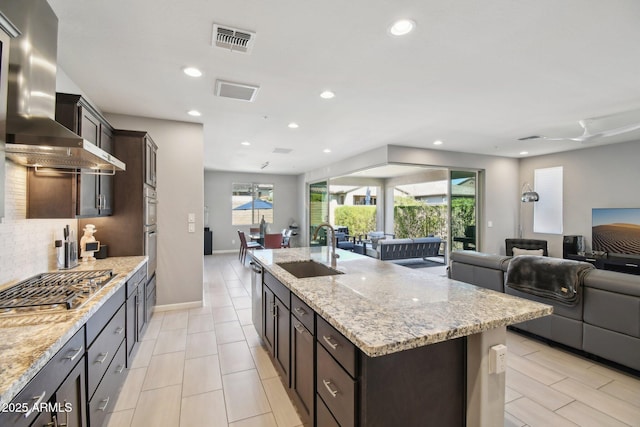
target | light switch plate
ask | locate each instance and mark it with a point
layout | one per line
(192, 228)
(191, 218)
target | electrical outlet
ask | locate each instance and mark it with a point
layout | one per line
(497, 359)
(233, 241)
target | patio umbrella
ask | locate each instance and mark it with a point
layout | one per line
(258, 204)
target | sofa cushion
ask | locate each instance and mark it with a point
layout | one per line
(519, 251)
(612, 281)
(394, 241)
(427, 240)
(481, 259)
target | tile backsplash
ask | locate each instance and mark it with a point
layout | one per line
(26, 245)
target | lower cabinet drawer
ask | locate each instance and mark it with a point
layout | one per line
(104, 348)
(336, 388)
(323, 415)
(337, 345)
(106, 394)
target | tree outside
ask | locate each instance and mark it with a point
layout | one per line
(360, 219)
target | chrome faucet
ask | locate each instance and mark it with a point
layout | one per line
(334, 255)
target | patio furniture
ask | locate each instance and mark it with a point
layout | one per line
(245, 246)
(421, 247)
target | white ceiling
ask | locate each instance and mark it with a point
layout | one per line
(474, 74)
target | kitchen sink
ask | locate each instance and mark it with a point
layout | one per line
(302, 269)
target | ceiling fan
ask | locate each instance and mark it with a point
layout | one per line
(586, 135)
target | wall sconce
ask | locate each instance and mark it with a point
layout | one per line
(528, 195)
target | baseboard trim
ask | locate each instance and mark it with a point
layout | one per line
(180, 306)
(225, 251)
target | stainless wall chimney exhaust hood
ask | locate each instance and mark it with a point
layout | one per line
(34, 138)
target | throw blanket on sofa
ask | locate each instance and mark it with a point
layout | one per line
(553, 278)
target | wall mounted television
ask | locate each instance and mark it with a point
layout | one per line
(616, 231)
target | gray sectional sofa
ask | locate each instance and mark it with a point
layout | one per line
(603, 320)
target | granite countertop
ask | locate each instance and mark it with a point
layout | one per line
(384, 308)
(26, 348)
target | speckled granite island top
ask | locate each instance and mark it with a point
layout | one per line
(384, 308)
(25, 349)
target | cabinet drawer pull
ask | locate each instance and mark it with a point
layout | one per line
(299, 328)
(102, 357)
(328, 339)
(632, 265)
(104, 402)
(327, 385)
(300, 311)
(76, 351)
(120, 369)
(590, 259)
(275, 310)
(119, 330)
(35, 405)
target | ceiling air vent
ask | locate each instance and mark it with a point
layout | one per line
(283, 150)
(241, 91)
(232, 38)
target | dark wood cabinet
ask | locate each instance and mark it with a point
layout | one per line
(124, 231)
(81, 192)
(150, 298)
(64, 373)
(303, 358)
(269, 331)
(135, 311)
(333, 383)
(277, 323)
(71, 399)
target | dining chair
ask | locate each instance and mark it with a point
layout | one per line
(245, 246)
(273, 241)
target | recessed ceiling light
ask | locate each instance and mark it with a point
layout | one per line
(192, 72)
(524, 152)
(194, 113)
(293, 125)
(402, 27)
(438, 142)
(326, 150)
(327, 94)
(245, 143)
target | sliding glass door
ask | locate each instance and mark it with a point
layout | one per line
(463, 190)
(318, 210)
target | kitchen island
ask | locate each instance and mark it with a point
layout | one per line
(421, 341)
(28, 343)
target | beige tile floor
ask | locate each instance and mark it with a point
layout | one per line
(205, 367)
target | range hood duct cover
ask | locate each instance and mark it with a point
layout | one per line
(32, 132)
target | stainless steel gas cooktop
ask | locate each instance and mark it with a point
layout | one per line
(50, 293)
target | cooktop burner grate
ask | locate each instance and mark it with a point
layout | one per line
(53, 291)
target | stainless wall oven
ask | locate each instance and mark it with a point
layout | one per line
(150, 228)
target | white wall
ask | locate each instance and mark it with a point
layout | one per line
(596, 177)
(217, 196)
(180, 192)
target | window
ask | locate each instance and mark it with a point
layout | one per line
(250, 202)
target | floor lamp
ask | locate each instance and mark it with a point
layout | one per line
(528, 196)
